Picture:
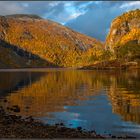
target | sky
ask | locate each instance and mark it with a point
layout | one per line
(92, 18)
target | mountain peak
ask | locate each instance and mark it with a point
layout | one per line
(124, 28)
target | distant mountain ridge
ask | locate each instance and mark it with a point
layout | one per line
(24, 16)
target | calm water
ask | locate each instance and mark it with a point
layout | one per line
(108, 102)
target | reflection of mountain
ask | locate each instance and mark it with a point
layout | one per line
(124, 94)
(12, 81)
(53, 90)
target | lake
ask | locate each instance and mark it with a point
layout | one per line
(105, 101)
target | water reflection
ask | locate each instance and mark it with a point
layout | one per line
(52, 91)
(124, 94)
(12, 81)
(66, 94)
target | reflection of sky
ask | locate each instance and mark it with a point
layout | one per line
(76, 122)
(96, 115)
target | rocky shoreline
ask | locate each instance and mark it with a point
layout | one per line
(13, 126)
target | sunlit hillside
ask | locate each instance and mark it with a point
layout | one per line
(124, 36)
(29, 35)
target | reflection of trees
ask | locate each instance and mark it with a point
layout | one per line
(12, 81)
(55, 89)
(124, 94)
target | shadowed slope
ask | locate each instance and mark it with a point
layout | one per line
(12, 56)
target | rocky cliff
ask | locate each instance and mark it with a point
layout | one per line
(124, 36)
(124, 29)
(122, 45)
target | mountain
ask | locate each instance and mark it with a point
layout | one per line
(124, 36)
(30, 41)
(122, 45)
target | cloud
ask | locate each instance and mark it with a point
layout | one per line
(7, 7)
(90, 17)
(129, 5)
(97, 19)
(60, 11)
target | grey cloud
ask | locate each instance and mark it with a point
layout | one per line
(92, 17)
(41, 8)
(54, 10)
(96, 21)
(7, 7)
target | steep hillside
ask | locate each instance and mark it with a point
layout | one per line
(13, 57)
(124, 36)
(122, 46)
(38, 42)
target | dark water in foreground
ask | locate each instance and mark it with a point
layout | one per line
(108, 102)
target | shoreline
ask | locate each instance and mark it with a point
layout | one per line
(63, 69)
(13, 126)
(34, 69)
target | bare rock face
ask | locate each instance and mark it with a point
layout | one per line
(123, 29)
